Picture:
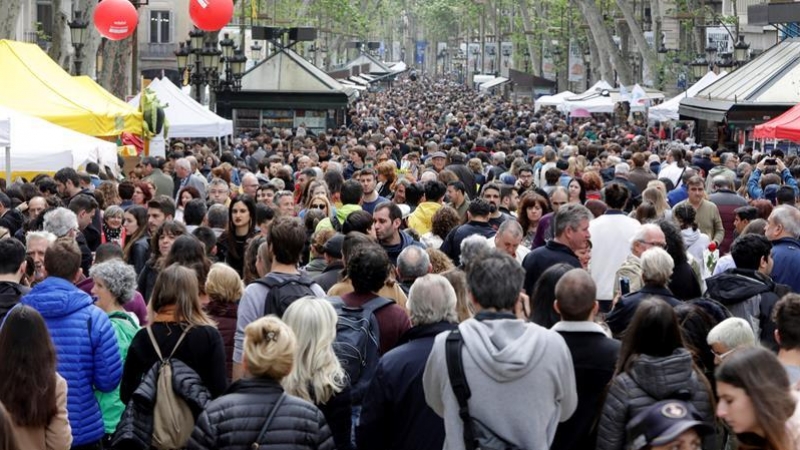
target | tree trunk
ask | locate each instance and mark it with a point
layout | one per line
(61, 48)
(115, 74)
(607, 50)
(530, 41)
(93, 38)
(8, 18)
(597, 63)
(649, 57)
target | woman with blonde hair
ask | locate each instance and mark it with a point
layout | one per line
(224, 289)
(317, 375)
(174, 311)
(657, 197)
(256, 411)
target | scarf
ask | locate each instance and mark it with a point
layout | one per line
(111, 234)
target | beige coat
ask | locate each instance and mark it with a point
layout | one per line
(390, 290)
(57, 435)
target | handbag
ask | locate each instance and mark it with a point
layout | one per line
(477, 436)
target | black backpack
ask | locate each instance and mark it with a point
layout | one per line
(357, 343)
(284, 291)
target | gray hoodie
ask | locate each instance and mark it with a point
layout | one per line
(521, 378)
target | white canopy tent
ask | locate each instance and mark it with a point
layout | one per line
(556, 100)
(669, 109)
(187, 118)
(493, 83)
(595, 105)
(34, 145)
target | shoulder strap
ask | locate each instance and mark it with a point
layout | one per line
(376, 304)
(158, 349)
(257, 444)
(458, 381)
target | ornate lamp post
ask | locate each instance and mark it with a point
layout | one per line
(741, 51)
(77, 30)
(218, 66)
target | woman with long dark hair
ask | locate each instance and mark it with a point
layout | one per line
(136, 246)
(160, 244)
(187, 251)
(653, 365)
(241, 228)
(756, 401)
(577, 191)
(684, 282)
(175, 309)
(532, 207)
(34, 394)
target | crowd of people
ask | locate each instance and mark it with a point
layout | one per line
(448, 270)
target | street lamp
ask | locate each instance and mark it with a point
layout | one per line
(741, 50)
(475, 53)
(77, 30)
(492, 53)
(699, 67)
(255, 51)
(662, 53)
(711, 52)
(219, 66)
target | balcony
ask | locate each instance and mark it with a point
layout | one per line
(153, 50)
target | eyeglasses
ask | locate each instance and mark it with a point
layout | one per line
(319, 206)
(655, 244)
(722, 356)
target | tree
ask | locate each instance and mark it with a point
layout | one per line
(8, 18)
(607, 49)
(648, 54)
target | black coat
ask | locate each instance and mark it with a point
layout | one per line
(539, 260)
(234, 420)
(684, 284)
(330, 276)
(594, 357)
(451, 246)
(622, 314)
(466, 176)
(135, 428)
(394, 415)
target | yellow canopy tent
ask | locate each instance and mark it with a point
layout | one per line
(32, 83)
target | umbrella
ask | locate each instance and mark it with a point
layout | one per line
(580, 112)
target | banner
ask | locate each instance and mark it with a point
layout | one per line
(548, 66)
(577, 68)
(420, 56)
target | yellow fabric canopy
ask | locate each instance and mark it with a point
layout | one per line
(31, 82)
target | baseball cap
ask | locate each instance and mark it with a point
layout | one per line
(663, 422)
(333, 246)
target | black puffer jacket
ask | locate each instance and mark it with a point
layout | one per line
(649, 380)
(234, 420)
(135, 428)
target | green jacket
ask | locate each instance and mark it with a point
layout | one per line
(125, 328)
(341, 215)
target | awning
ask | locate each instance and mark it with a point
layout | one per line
(493, 83)
(358, 80)
(32, 83)
(703, 109)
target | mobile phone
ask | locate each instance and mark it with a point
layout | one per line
(770, 162)
(624, 285)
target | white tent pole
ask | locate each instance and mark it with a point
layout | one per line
(8, 155)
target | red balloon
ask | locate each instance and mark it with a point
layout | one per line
(115, 19)
(210, 15)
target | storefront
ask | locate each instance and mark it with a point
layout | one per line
(286, 91)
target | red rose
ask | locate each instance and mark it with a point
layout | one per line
(712, 246)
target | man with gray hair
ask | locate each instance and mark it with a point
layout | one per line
(412, 263)
(394, 413)
(36, 243)
(728, 336)
(509, 363)
(647, 236)
(508, 239)
(219, 193)
(621, 172)
(64, 223)
(783, 229)
(726, 169)
(571, 229)
(185, 177)
(657, 267)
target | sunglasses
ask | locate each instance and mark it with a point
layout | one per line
(319, 206)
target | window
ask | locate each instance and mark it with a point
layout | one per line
(160, 24)
(44, 16)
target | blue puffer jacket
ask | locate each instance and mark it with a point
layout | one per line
(87, 351)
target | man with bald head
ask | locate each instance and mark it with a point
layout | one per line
(250, 185)
(594, 356)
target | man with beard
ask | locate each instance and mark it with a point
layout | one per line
(388, 219)
(491, 193)
(371, 198)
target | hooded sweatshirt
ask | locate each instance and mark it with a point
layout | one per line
(421, 220)
(521, 377)
(695, 243)
(341, 215)
(10, 293)
(86, 348)
(751, 296)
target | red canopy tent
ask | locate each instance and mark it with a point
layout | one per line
(784, 127)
